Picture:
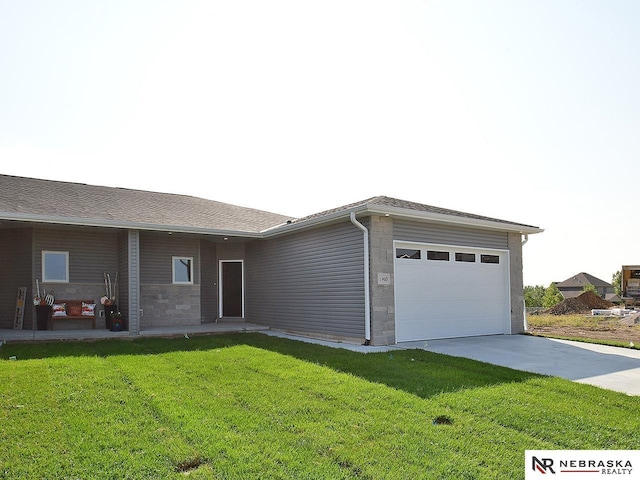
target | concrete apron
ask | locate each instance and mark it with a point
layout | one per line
(614, 368)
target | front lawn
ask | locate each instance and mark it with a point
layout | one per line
(253, 406)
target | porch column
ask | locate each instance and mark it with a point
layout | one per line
(516, 283)
(383, 322)
(134, 282)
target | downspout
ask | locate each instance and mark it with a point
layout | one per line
(367, 307)
(525, 239)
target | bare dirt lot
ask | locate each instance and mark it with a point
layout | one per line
(609, 329)
(572, 318)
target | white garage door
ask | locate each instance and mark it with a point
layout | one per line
(445, 292)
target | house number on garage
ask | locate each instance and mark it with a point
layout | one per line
(384, 279)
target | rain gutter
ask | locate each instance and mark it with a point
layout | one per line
(89, 222)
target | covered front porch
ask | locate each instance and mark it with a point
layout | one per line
(226, 326)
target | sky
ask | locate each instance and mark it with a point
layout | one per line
(526, 110)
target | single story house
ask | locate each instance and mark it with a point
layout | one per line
(574, 286)
(379, 271)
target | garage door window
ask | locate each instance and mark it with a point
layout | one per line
(436, 255)
(466, 257)
(408, 253)
(490, 258)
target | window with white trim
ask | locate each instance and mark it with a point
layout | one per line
(182, 270)
(55, 266)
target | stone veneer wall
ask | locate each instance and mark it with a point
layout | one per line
(169, 305)
(383, 322)
(516, 284)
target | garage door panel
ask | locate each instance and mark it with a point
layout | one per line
(444, 299)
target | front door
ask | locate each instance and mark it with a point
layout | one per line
(231, 289)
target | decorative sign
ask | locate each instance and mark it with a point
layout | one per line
(384, 279)
(22, 293)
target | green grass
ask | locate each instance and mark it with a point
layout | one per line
(583, 320)
(253, 406)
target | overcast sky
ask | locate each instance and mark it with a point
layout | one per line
(521, 110)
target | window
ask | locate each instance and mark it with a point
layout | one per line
(55, 266)
(183, 270)
(490, 258)
(408, 253)
(465, 257)
(435, 255)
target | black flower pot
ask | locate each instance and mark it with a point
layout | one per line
(109, 310)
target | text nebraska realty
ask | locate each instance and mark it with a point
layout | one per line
(605, 467)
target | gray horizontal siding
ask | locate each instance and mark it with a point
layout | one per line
(91, 252)
(209, 281)
(448, 234)
(155, 257)
(310, 281)
(15, 245)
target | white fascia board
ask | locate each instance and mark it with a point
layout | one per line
(404, 213)
(452, 219)
(88, 222)
(292, 227)
(283, 228)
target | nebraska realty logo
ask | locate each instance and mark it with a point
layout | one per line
(584, 464)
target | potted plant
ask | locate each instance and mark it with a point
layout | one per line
(117, 321)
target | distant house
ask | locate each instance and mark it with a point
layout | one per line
(382, 270)
(613, 298)
(574, 286)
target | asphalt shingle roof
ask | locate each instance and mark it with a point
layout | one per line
(37, 197)
(407, 205)
(580, 280)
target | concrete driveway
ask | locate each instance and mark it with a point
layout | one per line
(607, 367)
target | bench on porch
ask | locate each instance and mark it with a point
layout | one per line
(73, 310)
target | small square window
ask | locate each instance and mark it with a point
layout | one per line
(183, 270)
(435, 255)
(55, 266)
(465, 257)
(408, 253)
(490, 258)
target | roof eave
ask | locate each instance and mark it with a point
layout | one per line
(89, 222)
(453, 219)
(404, 213)
(283, 228)
(295, 226)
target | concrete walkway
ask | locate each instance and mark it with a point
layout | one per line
(225, 326)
